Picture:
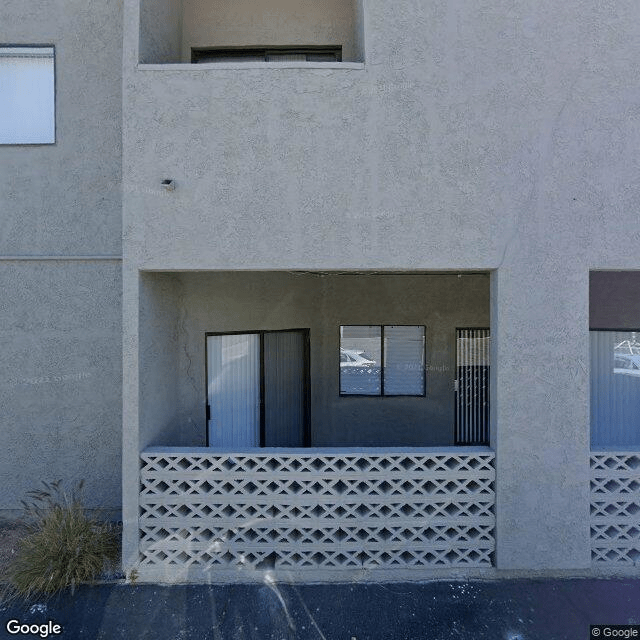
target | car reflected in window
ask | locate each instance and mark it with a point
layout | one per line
(353, 358)
(626, 364)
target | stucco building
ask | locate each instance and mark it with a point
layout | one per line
(349, 288)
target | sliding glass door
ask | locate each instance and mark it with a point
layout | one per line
(257, 388)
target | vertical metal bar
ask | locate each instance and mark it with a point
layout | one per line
(465, 368)
(460, 438)
(464, 384)
(206, 384)
(382, 360)
(482, 371)
(307, 390)
(472, 345)
(477, 403)
(487, 377)
(478, 385)
(461, 384)
(470, 383)
(263, 426)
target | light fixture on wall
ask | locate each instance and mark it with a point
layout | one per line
(168, 185)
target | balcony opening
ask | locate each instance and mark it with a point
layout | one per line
(294, 359)
(240, 31)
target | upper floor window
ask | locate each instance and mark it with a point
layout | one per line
(27, 95)
(268, 54)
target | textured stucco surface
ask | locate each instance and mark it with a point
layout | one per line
(60, 321)
(65, 198)
(60, 380)
(159, 358)
(497, 136)
(160, 31)
(177, 311)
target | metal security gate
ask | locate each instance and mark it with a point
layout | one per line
(472, 386)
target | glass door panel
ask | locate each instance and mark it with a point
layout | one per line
(233, 374)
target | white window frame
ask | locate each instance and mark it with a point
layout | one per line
(27, 105)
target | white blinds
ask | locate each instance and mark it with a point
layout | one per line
(27, 95)
(382, 360)
(403, 360)
(233, 363)
(615, 388)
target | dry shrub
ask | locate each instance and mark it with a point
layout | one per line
(64, 546)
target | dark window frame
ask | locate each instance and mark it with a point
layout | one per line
(202, 55)
(306, 427)
(382, 394)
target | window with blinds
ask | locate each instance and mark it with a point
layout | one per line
(615, 388)
(27, 95)
(267, 54)
(384, 360)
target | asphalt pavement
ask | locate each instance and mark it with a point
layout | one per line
(440, 610)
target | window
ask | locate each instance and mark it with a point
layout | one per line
(268, 54)
(27, 95)
(382, 360)
(615, 388)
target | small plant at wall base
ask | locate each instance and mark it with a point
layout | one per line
(64, 546)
